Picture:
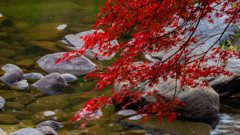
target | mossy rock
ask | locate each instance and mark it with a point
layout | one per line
(45, 45)
(20, 114)
(45, 32)
(173, 127)
(3, 35)
(62, 46)
(58, 116)
(70, 125)
(95, 130)
(36, 107)
(8, 119)
(26, 124)
(7, 53)
(2, 19)
(14, 106)
(4, 61)
(17, 96)
(78, 99)
(78, 107)
(55, 102)
(25, 63)
(135, 132)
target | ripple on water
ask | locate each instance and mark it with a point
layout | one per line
(228, 124)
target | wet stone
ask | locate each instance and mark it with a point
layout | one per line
(47, 130)
(32, 76)
(27, 131)
(13, 75)
(22, 85)
(9, 67)
(2, 132)
(54, 124)
(2, 102)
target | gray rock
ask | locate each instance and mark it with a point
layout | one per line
(23, 85)
(54, 124)
(2, 132)
(32, 76)
(27, 131)
(2, 102)
(75, 43)
(76, 66)
(13, 75)
(127, 112)
(69, 77)
(51, 84)
(202, 102)
(47, 130)
(8, 67)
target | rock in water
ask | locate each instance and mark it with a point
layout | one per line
(2, 102)
(27, 131)
(69, 77)
(51, 84)
(54, 124)
(202, 102)
(8, 67)
(75, 43)
(47, 130)
(32, 76)
(23, 85)
(13, 75)
(76, 66)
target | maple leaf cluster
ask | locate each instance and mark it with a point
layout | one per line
(151, 26)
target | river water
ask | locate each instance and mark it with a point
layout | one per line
(24, 37)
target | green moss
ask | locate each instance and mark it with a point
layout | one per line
(8, 119)
(55, 102)
(13, 106)
(45, 45)
(20, 114)
(17, 96)
(7, 53)
(25, 63)
(95, 130)
(36, 107)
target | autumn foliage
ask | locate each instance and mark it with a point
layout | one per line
(150, 26)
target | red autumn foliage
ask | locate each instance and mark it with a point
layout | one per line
(154, 25)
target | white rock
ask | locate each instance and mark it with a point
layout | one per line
(127, 112)
(61, 27)
(49, 113)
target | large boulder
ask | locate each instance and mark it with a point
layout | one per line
(75, 43)
(76, 66)
(202, 102)
(51, 84)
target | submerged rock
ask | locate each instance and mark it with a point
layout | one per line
(76, 66)
(51, 84)
(2, 102)
(69, 77)
(54, 124)
(8, 119)
(32, 76)
(12, 76)
(23, 85)
(75, 43)
(14, 106)
(27, 131)
(45, 32)
(37, 107)
(47, 130)
(58, 116)
(2, 132)
(25, 63)
(45, 45)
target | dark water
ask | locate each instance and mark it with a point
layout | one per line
(24, 37)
